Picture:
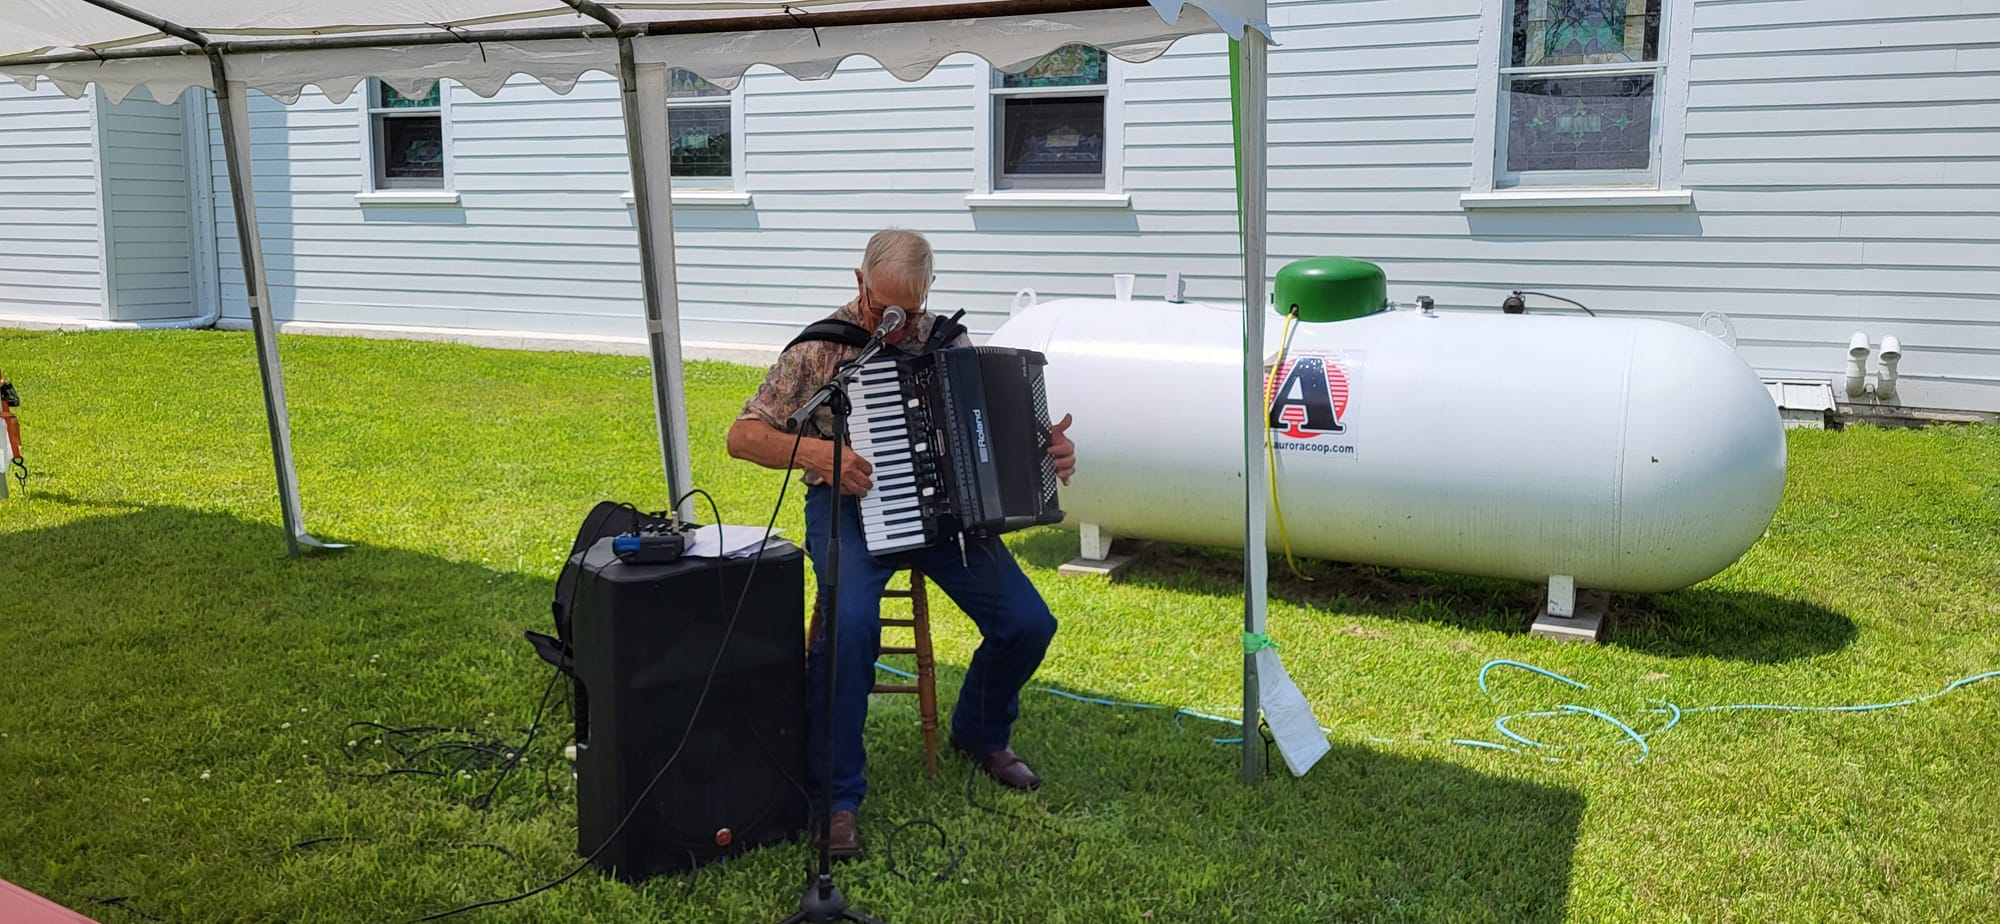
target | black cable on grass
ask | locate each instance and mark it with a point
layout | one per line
(519, 864)
(972, 776)
(125, 904)
(329, 839)
(514, 759)
(944, 843)
(444, 752)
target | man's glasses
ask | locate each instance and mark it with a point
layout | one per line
(922, 307)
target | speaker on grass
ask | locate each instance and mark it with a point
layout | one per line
(645, 639)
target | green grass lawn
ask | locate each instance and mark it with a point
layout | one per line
(176, 692)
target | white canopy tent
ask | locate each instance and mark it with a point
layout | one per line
(280, 47)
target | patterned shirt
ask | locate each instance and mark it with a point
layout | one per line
(802, 370)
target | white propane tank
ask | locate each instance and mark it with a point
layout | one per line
(1631, 455)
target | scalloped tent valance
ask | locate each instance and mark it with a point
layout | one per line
(280, 49)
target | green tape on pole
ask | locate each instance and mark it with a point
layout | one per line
(1254, 642)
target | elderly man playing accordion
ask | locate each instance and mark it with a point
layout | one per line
(982, 577)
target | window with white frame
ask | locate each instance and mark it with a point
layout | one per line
(1580, 84)
(406, 138)
(700, 131)
(1050, 123)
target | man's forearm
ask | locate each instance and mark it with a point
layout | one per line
(756, 441)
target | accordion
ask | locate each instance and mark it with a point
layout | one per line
(959, 442)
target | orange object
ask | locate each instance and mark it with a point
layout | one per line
(20, 906)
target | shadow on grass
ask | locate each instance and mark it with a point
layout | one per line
(187, 636)
(1159, 818)
(115, 559)
(167, 642)
(1692, 622)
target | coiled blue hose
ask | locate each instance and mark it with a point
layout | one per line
(1523, 744)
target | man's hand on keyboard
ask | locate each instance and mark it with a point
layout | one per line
(856, 475)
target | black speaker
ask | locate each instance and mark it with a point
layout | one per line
(645, 637)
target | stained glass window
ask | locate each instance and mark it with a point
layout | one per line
(1580, 123)
(1578, 93)
(1049, 124)
(413, 149)
(688, 85)
(407, 135)
(1567, 33)
(698, 141)
(388, 98)
(1068, 66)
(699, 123)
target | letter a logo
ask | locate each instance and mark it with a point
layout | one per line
(1304, 404)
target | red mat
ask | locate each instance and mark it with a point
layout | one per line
(20, 906)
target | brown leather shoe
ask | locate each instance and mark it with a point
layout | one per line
(1004, 766)
(845, 839)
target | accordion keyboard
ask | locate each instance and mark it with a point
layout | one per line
(887, 429)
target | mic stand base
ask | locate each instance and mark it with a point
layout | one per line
(823, 902)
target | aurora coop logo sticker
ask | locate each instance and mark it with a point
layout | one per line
(1309, 401)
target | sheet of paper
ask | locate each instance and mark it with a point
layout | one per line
(725, 541)
(1296, 731)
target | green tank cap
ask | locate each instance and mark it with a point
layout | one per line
(1330, 289)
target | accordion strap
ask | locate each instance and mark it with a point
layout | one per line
(832, 330)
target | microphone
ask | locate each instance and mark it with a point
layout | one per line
(892, 318)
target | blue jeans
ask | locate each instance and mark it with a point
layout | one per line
(1014, 623)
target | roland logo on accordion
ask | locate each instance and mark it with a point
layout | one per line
(979, 436)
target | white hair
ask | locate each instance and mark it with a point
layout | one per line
(901, 255)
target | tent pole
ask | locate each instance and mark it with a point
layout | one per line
(1251, 201)
(233, 109)
(644, 92)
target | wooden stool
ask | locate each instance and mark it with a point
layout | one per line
(925, 688)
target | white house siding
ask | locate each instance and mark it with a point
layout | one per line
(1863, 168)
(51, 257)
(822, 183)
(542, 241)
(1841, 156)
(149, 218)
(539, 240)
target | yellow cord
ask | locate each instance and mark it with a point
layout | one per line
(1270, 450)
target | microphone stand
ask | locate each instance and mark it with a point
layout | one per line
(822, 901)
